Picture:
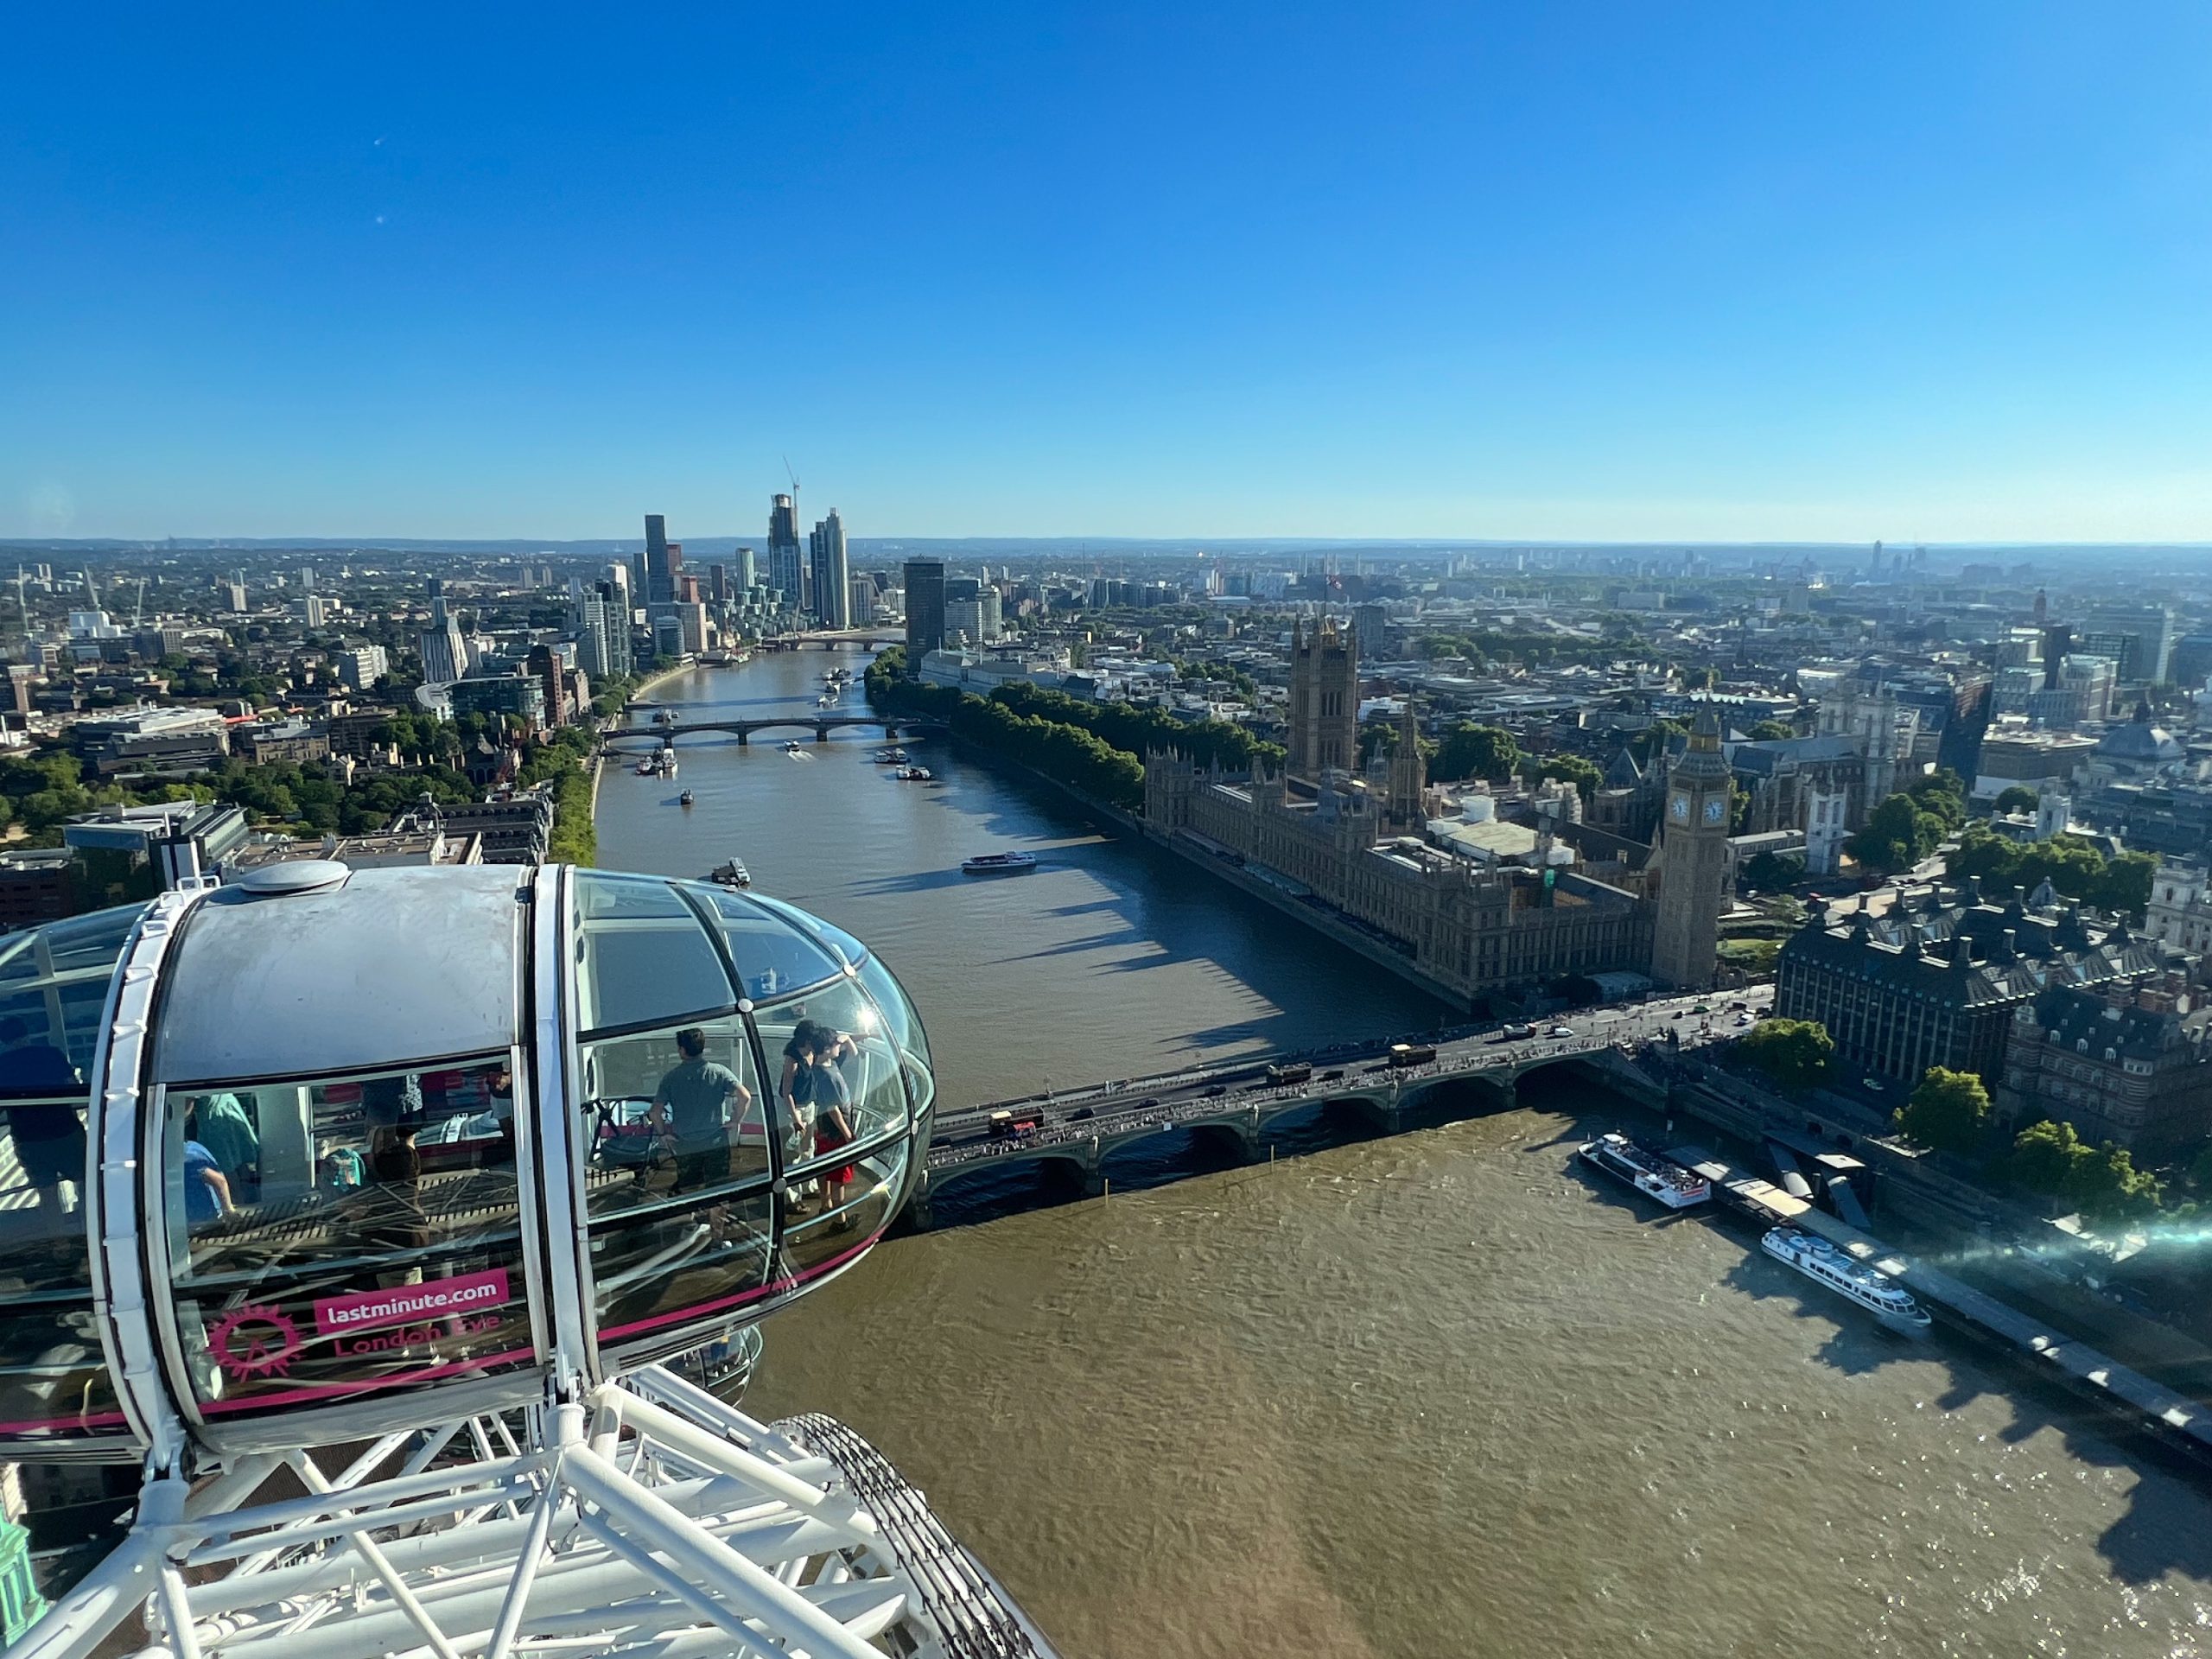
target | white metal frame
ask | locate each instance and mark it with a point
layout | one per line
(647, 1518)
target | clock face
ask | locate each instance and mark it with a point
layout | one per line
(1679, 809)
(1715, 810)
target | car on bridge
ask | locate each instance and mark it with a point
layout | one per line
(1514, 1035)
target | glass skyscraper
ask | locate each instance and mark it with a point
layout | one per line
(833, 602)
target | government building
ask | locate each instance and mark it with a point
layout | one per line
(1366, 846)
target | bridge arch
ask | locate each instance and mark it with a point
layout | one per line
(1011, 1182)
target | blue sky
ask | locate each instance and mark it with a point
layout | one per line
(1531, 270)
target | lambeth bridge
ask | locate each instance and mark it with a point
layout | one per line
(1390, 1086)
(664, 735)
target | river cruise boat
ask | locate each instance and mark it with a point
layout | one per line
(1647, 1172)
(792, 748)
(664, 762)
(912, 774)
(731, 874)
(998, 864)
(1849, 1277)
(891, 757)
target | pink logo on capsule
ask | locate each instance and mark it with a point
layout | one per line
(250, 1342)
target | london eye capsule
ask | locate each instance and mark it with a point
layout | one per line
(328, 1153)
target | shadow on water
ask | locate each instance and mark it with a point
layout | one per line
(917, 882)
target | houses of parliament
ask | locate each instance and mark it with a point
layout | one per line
(1358, 840)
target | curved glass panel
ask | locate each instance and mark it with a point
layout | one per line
(335, 1237)
(773, 957)
(641, 954)
(830, 1220)
(837, 1072)
(899, 1013)
(840, 942)
(53, 984)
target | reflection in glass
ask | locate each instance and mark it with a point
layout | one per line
(898, 1016)
(773, 957)
(331, 1236)
(660, 1270)
(53, 984)
(670, 1112)
(641, 954)
(826, 1226)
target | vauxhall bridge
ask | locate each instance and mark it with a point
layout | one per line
(1387, 1084)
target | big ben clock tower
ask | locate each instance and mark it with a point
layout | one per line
(1692, 863)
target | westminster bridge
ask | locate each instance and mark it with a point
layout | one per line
(1232, 1105)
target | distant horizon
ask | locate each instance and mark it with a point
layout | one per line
(1191, 545)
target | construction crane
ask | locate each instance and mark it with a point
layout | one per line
(793, 476)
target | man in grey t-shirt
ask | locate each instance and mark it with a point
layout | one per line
(690, 1107)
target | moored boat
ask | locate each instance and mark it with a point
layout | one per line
(1850, 1278)
(999, 863)
(1646, 1171)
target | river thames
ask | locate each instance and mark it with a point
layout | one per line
(1425, 1396)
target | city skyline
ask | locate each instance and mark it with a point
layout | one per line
(1614, 276)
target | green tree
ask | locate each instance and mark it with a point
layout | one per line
(1897, 835)
(1583, 775)
(1772, 731)
(1795, 1054)
(1473, 751)
(2107, 1186)
(2125, 883)
(2102, 1182)
(2018, 798)
(2044, 1155)
(1773, 869)
(1942, 796)
(1949, 1111)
